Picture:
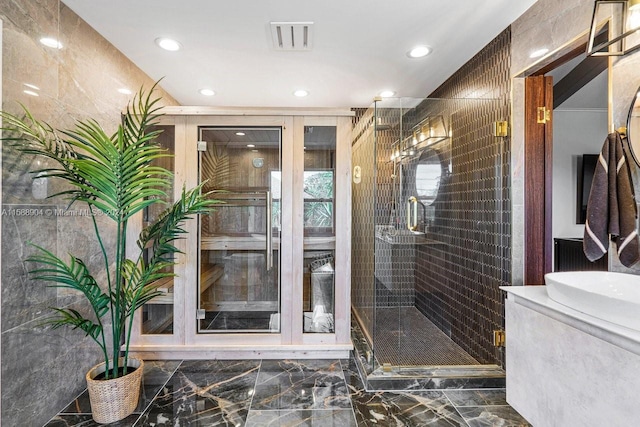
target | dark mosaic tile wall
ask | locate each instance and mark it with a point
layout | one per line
(457, 284)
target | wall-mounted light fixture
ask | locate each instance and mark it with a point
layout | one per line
(614, 28)
(430, 130)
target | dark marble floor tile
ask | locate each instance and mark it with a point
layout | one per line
(291, 418)
(477, 397)
(205, 393)
(85, 420)
(156, 374)
(426, 408)
(492, 416)
(352, 376)
(301, 384)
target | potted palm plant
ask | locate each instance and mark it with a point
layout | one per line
(113, 175)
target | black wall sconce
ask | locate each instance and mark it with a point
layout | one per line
(614, 28)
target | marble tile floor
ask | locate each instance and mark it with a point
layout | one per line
(291, 393)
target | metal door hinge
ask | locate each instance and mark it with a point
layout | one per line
(499, 338)
(501, 128)
(200, 313)
(202, 145)
(544, 115)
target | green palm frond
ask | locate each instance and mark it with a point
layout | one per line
(159, 237)
(167, 229)
(140, 283)
(74, 275)
(141, 115)
(118, 176)
(72, 318)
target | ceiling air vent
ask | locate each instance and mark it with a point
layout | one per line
(292, 35)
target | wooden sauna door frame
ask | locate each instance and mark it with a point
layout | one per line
(185, 342)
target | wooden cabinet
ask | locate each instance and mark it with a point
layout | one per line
(267, 275)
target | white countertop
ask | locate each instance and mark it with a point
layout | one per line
(536, 298)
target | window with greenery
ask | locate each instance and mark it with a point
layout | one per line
(319, 193)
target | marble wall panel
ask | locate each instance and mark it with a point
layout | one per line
(43, 369)
(23, 299)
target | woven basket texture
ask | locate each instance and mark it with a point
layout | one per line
(113, 400)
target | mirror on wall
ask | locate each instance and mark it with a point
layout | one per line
(428, 176)
(633, 128)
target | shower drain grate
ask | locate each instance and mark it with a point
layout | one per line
(417, 342)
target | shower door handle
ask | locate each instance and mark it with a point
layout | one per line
(269, 231)
(412, 213)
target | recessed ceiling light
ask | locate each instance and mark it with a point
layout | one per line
(387, 93)
(29, 85)
(30, 92)
(125, 91)
(168, 44)
(251, 146)
(240, 133)
(207, 92)
(301, 93)
(538, 53)
(419, 51)
(51, 42)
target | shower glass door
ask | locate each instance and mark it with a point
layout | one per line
(239, 283)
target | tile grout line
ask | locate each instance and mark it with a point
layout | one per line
(155, 396)
(353, 411)
(255, 386)
(455, 409)
(67, 405)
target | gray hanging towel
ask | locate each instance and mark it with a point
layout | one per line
(611, 209)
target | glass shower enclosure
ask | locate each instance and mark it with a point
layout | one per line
(431, 231)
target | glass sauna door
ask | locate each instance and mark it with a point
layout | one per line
(319, 185)
(239, 283)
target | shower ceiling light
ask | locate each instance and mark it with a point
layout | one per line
(207, 92)
(301, 93)
(387, 93)
(419, 51)
(168, 44)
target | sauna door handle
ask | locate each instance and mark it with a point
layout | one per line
(269, 232)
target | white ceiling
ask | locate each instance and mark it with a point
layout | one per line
(359, 46)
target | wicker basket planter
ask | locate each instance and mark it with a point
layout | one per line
(113, 400)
